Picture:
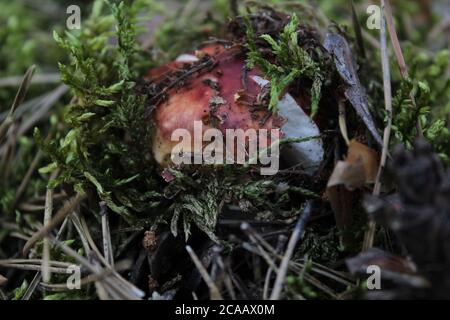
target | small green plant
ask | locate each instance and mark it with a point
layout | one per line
(107, 144)
(292, 62)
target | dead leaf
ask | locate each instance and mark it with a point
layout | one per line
(341, 201)
(351, 175)
(360, 167)
(3, 280)
(369, 157)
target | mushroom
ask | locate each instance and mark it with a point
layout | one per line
(226, 95)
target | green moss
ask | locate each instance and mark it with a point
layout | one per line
(292, 62)
(106, 146)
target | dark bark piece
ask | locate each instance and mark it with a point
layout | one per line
(338, 47)
(420, 214)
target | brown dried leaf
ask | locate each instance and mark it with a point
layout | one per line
(3, 280)
(360, 167)
(341, 201)
(351, 175)
(369, 157)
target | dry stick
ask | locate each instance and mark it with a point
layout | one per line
(26, 179)
(37, 278)
(32, 287)
(246, 228)
(31, 208)
(370, 233)
(20, 96)
(227, 280)
(342, 122)
(46, 275)
(62, 213)
(299, 267)
(106, 232)
(10, 148)
(296, 235)
(280, 244)
(37, 79)
(33, 261)
(121, 266)
(357, 27)
(102, 291)
(126, 285)
(83, 261)
(19, 235)
(261, 240)
(75, 219)
(47, 102)
(214, 291)
(399, 55)
(34, 267)
(42, 107)
(317, 268)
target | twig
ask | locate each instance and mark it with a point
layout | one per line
(296, 235)
(34, 267)
(227, 278)
(121, 266)
(33, 285)
(246, 228)
(121, 282)
(214, 291)
(26, 179)
(357, 28)
(112, 283)
(370, 233)
(59, 217)
(281, 242)
(399, 55)
(20, 96)
(342, 122)
(46, 275)
(37, 79)
(46, 249)
(106, 232)
(46, 104)
(33, 262)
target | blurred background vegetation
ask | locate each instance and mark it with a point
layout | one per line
(169, 28)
